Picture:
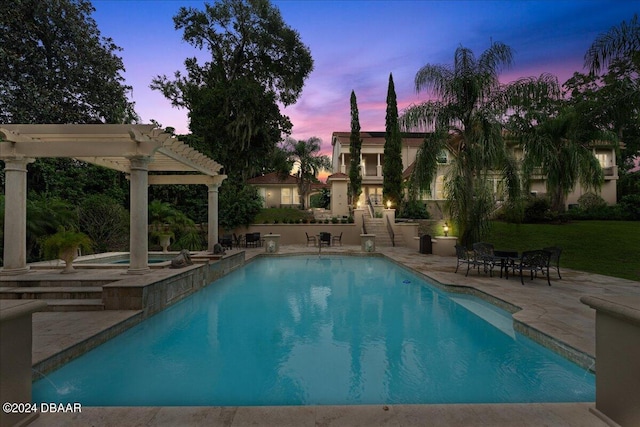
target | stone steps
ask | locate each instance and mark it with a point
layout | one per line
(58, 298)
(378, 227)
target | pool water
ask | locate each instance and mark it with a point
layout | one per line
(319, 330)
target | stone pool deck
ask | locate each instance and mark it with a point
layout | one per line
(553, 315)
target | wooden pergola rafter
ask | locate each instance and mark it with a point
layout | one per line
(137, 150)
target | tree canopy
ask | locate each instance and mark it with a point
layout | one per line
(305, 155)
(355, 146)
(466, 118)
(392, 168)
(56, 66)
(257, 62)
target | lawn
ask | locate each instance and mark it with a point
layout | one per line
(604, 247)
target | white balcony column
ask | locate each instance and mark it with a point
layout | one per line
(212, 218)
(379, 167)
(343, 167)
(15, 215)
(139, 216)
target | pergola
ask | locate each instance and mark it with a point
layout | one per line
(137, 150)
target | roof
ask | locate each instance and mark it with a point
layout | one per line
(338, 175)
(273, 178)
(377, 138)
(108, 145)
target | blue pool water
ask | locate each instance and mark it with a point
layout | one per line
(319, 330)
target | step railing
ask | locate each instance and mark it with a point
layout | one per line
(391, 233)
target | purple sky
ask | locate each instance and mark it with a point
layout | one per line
(356, 44)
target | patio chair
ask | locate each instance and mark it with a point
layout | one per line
(325, 239)
(226, 241)
(534, 261)
(465, 257)
(338, 239)
(252, 239)
(554, 261)
(483, 253)
(238, 240)
(310, 239)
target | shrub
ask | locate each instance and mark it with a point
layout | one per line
(589, 201)
(413, 209)
(334, 220)
(313, 221)
(537, 209)
(631, 205)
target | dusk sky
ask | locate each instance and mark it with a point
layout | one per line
(356, 44)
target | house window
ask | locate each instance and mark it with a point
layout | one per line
(442, 157)
(285, 196)
(440, 187)
(603, 159)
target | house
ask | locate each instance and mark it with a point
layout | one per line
(281, 192)
(372, 159)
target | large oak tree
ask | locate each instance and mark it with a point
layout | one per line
(257, 63)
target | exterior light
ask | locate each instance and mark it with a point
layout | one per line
(388, 204)
(358, 204)
(446, 229)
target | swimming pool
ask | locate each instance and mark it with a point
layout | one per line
(319, 330)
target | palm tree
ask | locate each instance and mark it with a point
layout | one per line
(620, 41)
(305, 156)
(466, 119)
(559, 145)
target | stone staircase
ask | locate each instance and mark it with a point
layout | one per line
(59, 295)
(378, 226)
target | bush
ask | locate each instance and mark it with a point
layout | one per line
(590, 201)
(106, 222)
(334, 220)
(631, 205)
(413, 209)
(537, 209)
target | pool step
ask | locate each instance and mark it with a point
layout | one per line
(58, 298)
(74, 305)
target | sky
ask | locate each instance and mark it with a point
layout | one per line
(356, 44)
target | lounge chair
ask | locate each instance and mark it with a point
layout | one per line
(325, 239)
(465, 257)
(484, 257)
(554, 261)
(338, 239)
(534, 261)
(310, 239)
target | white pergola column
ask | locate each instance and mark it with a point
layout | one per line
(15, 216)
(139, 207)
(212, 218)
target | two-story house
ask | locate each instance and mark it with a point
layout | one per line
(372, 159)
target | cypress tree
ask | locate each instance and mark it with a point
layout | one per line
(355, 146)
(392, 167)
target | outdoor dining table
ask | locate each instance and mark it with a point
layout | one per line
(507, 260)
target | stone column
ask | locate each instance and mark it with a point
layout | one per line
(15, 216)
(212, 219)
(139, 220)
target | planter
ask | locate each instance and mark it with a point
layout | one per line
(68, 255)
(165, 241)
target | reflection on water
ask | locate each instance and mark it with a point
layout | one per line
(319, 330)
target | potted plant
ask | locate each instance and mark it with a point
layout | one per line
(64, 245)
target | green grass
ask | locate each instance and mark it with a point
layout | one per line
(280, 214)
(611, 248)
